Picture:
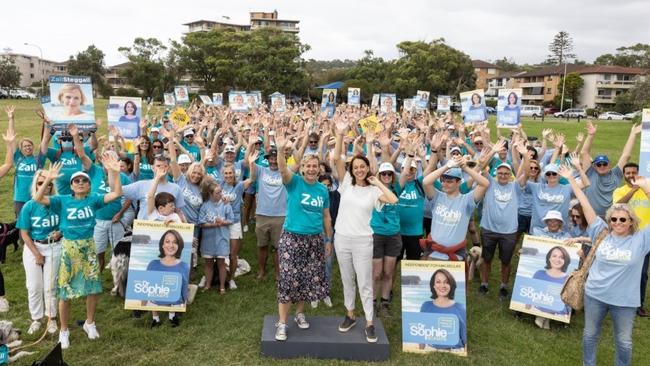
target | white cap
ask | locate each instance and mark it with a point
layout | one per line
(553, 214)
(504, 165)
(229, 148)
(79, 174)
(184, 159)
(457, 149)
(386, 167)
(155, 129)
(188, 132)
(414, 163)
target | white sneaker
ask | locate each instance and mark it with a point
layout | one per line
(34, 327)
(52, 328)
(202, 282)
(327, 301)
(314, 304)
(91, 330)
(64, 339)
(246, 230)
(281, 332)
(232, 284)
(4, 305)
(301, 321)
(192, 290)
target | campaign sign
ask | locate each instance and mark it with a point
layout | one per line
(217, 99)
(278, 102)
(644, 156)
(410, 104)
(422, 100)
(125, 113)
(543, 267)
(388, 102)
(71, 101)
(252, 100)
(169, 100)
(370, 123)
(179, 116)
(509, 108)
(375, 100)
(328, 102)
(434, 307)
(237, 101)
(473, 106)
(182, 94)
(159, 266)
(444, 103)
(354, 96)
(205, 99)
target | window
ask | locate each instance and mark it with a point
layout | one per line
(31, 76)
(31, 65)
(607, 77)
(492, 71)
(548, 90)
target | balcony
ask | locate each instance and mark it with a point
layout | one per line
(532, 97)
(537, 84)
(615, 84)
(605, 99)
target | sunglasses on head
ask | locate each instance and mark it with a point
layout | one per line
(618, 219)
(449, 179)
(599, 164)
(551, 174)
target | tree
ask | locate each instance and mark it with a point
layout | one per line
(90, 63)
(9, 73)
(560, 48)
(572, 88)
(507, 64)
(635, 99)
(147, 70)
(637, 55)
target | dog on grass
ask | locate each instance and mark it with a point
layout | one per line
(9, 234)
(474, 261)
(10, 337)
(120, 266)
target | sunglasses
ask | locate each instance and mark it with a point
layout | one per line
(576, 216)
(80, 180)
(449, 180)
(478, 143)
(534, 168)
(601, 164)
(38, 184)
(386, 173)
(618, 219)
(551, 174)
(157, 147)
(313, 142)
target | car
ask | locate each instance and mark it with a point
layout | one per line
(571, 113)
(611, 116)
(3, 94)
(490, 110)
(21, 94)
(631, 115)
(531, 111)
(455, 107)
(551, 110)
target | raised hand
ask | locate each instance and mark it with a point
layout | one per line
(252, 158)
(591, 128)
(10, 109)
(575, 161)
(54, 171)
(280, 139)
(642, 182)
(580, 137)
(374, 181)
(73, 129)
(9, 137)
(110, 162)
(636, 129)
(341, 127)
(565, 172)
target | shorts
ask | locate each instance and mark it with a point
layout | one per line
(506, 243)
(523, 223)
(106, 232)
(268, 230)
(235, 231)
(386, 246)
(215, 248)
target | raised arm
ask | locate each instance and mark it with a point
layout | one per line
(280, 144)
(174, 167)
(159, 175)
(110, 162)
(79, 147)
(252, 176)
(590, 214)
(50, 175)
(339, 164)
(10, 140)
(584, 179)
(585, 152)
(629, 145)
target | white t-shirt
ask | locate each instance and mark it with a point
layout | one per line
(156, 216)
(355, 209)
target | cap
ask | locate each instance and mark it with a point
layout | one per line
(272, 152)
(386, 167)
(246, 128)
(551, 168)
(414, 163)
(553, 215)
(184, 159)
(188, 132)
(457, 149)
(601, 159)
(453, 173)
(155, 129)
(260, 139)
(229, 148)
(79, 174)
(504, 165)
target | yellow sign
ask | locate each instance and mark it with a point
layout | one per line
(370, 123)
(179, 117)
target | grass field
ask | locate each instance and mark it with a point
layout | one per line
(225, 330)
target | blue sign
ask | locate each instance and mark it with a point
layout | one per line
(154, 286)
(439, 330)
(543, 295)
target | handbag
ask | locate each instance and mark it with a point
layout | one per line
(573, 290)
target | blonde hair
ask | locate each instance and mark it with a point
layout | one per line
(625, 208)
(67, 88)
(34, 186)
(307, 158)
(195, 165)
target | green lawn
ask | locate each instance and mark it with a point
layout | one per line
(226, 330)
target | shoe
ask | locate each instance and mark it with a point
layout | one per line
(347, 324)
(547, 324)
(327, 301)
(314, 304)
(539, 321)
(192, 289)
(384, 309)
(4, 305)
(246, 230)
(503, 294)
(202, 282)
(34, 327)
(280, 332)
(155, 323)
(483, 290)
(91, 330)
(370, 334)
(642, 312)
(137, 314)
(51, 327)
(301, 321)
(176, 321)
(64, 339)
(232, 285)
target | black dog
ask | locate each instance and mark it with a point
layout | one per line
(120, 264)
(9, 234)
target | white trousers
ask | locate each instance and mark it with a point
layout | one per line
(41, 280)
(354, 255)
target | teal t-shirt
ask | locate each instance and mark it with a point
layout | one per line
(99, 184)
(305, 205)
(411, 207)
(71, 164)
(192, 149)
(38, 220)
(77, 216)
(26, 167)
(387, 221)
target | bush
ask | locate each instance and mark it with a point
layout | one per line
(591, 111)
(127, 92)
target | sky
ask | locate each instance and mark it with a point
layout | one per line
(486, 30)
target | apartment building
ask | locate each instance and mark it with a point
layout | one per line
(33, 69)
(505, 80)
(484, 70)
(257, 20)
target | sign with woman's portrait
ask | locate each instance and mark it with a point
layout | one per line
(237, 101)
(354, 96)
(509, 108)
(125, 114)
(473, 106)
(71, 101)
(182, 94)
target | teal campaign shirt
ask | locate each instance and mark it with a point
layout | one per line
(26, 167)
(192, 149)
(411, 207)
(387, 221)
(70, 165)
(38, 220)
(306, 203)
(99, 184)
(77, 216)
